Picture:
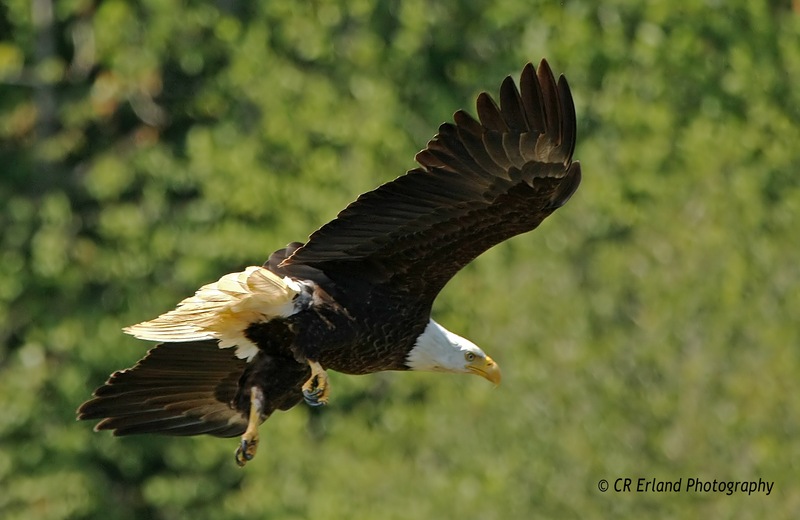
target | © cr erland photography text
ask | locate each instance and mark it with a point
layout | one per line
(688, 485)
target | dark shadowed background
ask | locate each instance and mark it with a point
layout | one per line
(650, 328)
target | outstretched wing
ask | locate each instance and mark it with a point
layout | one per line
(480, 183)
(193, 388)
(177, 389)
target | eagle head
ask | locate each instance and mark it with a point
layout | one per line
(439, 350)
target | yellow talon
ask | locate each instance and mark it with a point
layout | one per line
(316, 390)
(247, 449)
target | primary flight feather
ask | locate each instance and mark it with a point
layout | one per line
(357, 296)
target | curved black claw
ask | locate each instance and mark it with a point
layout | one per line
(246, 451)
(315, 397)
(316, 390)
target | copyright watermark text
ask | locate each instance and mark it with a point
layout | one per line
(688, 485)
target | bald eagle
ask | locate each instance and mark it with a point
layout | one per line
(357, 296)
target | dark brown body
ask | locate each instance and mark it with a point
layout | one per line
(348, 339)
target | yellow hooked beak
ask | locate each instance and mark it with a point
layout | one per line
(486, 368)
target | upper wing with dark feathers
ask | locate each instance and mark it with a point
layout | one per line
(480, 183)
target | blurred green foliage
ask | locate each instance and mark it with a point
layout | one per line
(648, 329)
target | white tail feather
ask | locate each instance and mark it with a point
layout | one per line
(223, 310)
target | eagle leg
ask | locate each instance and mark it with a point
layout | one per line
(316, 390)
(247, 449)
